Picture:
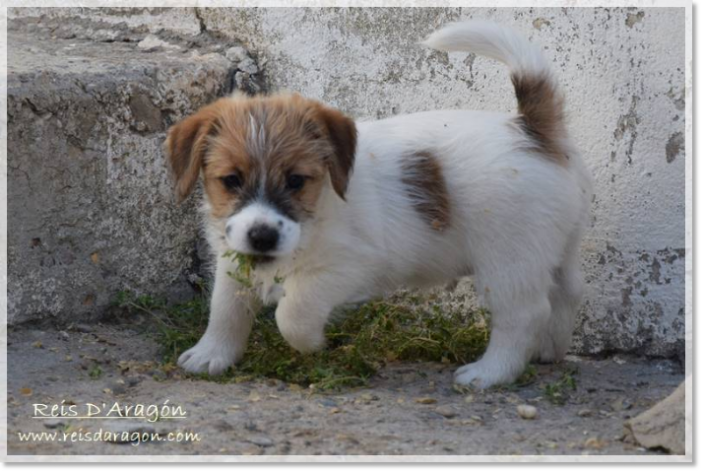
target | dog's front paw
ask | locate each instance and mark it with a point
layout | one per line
(209, 356)
(305, 336)
(305, 342)
(483, 375)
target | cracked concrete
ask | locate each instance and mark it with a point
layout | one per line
(91, 210)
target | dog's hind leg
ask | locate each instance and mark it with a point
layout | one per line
(565, 298)
(518, 311)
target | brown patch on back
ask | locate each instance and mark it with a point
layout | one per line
(541, 109)
(424, 180)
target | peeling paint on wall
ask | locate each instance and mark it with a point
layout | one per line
(674, 146)
(634, 18)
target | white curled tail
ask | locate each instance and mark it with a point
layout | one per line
(540, 104)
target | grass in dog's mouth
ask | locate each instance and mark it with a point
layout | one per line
(245, 265)
(359, 343)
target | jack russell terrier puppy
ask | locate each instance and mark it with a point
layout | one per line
(344, 211)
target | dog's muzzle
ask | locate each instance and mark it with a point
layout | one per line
(259, 229)
(263, 238)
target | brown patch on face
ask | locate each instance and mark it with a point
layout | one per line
(263, 141)
(425, 184)
(541, 109)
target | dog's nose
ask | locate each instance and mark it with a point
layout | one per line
(263, 238)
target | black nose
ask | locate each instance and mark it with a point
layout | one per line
(263, 238)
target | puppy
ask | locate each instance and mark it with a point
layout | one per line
(343, 212)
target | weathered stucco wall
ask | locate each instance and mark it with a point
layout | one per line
(623, 74)
(91, 208)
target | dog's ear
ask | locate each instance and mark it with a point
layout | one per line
(340, 130)
(186, 146)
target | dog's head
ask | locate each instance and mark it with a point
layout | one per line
(265, 162)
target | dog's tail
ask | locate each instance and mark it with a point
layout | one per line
(540, 103)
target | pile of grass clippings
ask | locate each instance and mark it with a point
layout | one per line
(359, 343)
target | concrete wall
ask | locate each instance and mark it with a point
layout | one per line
(623, 74)
(91, 208)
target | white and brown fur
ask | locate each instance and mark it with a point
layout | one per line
(414, 200)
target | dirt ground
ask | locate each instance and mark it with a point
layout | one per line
(406, 409)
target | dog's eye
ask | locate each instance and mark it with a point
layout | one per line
(295, 182)
(232, 182)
